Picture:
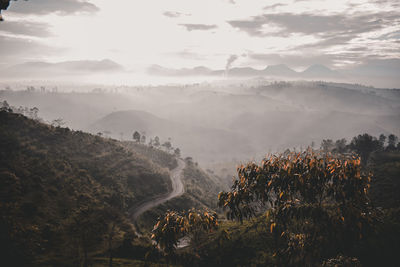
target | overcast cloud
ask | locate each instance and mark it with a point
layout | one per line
(29, 28)
(41, 7)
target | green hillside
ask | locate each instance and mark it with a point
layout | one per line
(55, 182)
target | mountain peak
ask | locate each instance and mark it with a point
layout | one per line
(317, 67)
(279, 70)
(320, 71)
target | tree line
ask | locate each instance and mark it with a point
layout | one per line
(155, 142)
(363, 145)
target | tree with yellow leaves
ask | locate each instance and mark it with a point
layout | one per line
(174, 226)
(317, 204)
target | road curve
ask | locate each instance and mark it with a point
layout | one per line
(177, 190)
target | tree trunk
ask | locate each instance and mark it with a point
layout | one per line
(110, 237)
(85, 259)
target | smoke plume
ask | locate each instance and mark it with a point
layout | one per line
(229, 62)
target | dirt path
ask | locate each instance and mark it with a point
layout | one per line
(177, 190)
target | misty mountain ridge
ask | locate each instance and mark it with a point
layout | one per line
(279, 70)
(318, 70)
(381, 73)
(223, 122)
(189, 137)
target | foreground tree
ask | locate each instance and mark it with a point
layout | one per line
(174, 226)
(317, 206)
(85, 231)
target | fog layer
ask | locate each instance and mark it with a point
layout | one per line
(217, 122)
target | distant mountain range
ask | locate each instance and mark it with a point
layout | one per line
(281, 70)
(380, 73)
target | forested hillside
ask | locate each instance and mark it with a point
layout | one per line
(60, 189)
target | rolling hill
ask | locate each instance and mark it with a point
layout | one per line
(64, 192)
(189, 138)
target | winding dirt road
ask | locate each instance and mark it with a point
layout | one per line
(177, 190)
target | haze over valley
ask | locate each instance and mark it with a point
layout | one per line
(224, 121)
(199, 133)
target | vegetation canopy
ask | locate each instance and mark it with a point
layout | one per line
(173, 226)
(317, 205)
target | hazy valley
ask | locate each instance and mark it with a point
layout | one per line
(199, 133)
(224, 122)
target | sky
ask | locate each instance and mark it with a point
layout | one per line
(212, 33)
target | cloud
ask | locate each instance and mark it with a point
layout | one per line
(333, 29)
(273, 6)
(63, 7)
(39, 69)
(381, 67)
(301, 60)
(187, 54)
(27, 28)
(391, 3)
(174, 14)
(198, 27)
(251, 26)
(330, 41)
(17, 48)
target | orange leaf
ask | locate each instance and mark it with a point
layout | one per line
(272, 227)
